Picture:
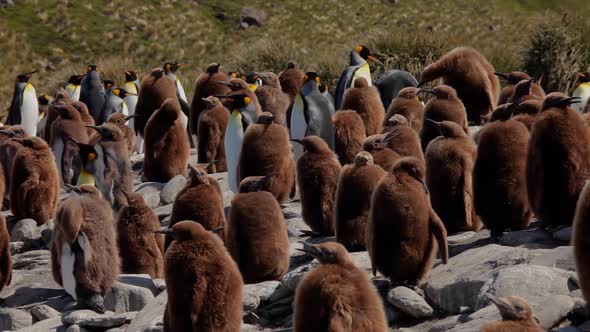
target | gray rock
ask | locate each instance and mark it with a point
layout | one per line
(172, 188)
(91, 319)
(549, 315)
(17, 247)
(253, 16)
(160, 284)
(409, 302)
(150, 317)
(527, 236)
(140, 280)
(561, 257)
(124, 298)
(14, 319)
(293, 210)
(362, 260)
(460, 244)
(31, 260)
(459, 282)
(291, 279)
(43, 312)
(564, 234)
(295, 226)
(163, 211)
(253, 294)
(25, 230)
(445, 324)
(150, 191)
(49, 325)
(461, 238)
(76, 328)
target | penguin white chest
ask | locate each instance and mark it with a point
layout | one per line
(180, 89)
(234, 136)
(365, 72)
(29, 110)
(68, 259)
(298, 125)
(582, 91)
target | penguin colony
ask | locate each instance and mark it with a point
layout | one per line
(392, 176)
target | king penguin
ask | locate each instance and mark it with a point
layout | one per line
(311, 114)
(170, 69)
(73, 86)
(115, 103)
(359, 67)
(24, 109)
(582, 91)
(92, 92)
(243, 113)
(132, 85)
(391, 82)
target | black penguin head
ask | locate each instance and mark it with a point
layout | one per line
(327, 252)
(366, 54)
(24, 78)
(92, 67)
(323, 87)
(122, 93)
(238, 101)
(172, 67)
(76, 79)
(213, 68)
(254, 183)
(312, 76)
(254, 81)
(233, 74)
(558, 100)
(88, 155)
(130, 75)
(108, 84)
(584, 76)
(44, 100)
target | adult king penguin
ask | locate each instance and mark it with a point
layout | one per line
(170, 69)
(73, 86)
(115, 104)
(359, 67)
(311, 114)
(92, 92)
(24, 109)
(132, 85)
(582, 91)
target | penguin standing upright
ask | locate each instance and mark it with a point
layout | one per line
(170, 69)
(582, 91)
(92, 92)
(24, 109)
(115, 104)
(359, 67)
(132, 85)
(311, 114)
(73, 86)
(391, 83)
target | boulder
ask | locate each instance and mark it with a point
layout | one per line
(124, 298)
(150, 317)
(409, 302)
(171, 189)
(25, 230)
(93, 320)
(527, 236)
(43, 312)
(253, 294)
(14, 319)
(564, 234)
(150, 191)
(48, 325)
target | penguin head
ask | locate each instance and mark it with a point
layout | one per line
(254, 81)
(365, 53)
(265, 118)
(313, 144)
(523, 88)
(213, 68)
(513, 308)
(211, 102)
(44, 99)
(109, 132)
(361, 83)
(269, 78)
(413, 167)
(172, 67)
(584, 76)
(312, 76)
(363, 158)
(513, 77)
(558, 100)
(13, 131)
(92, 67)
(532, 106)
(409, 93)
(397, 120)
(448, 129)
(68, 112)
(24, 78)
(236, 101)
(32, 142)
(108, 84)
(292, 65)
(76, 79)
(188, 230)
(130, 75)
(501, 113)
(122, 93)
(232, 74)
(375, 142)
(88, 155)
(327, 252)
(442, 92)
(197, 176)
(254, 183)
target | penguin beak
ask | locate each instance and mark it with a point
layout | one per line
(310, 249)
(504, 76)
(573, 100)
(581, 75)
(31, 73)
(165, 230)
(374, 59)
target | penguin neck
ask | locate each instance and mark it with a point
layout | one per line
(85, 177)
(356, 59)
(585, 85)
(309, 88)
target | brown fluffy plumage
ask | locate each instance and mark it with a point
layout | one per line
(512, 79)
(337, 295)
(469, 72)
(155, 89)
(408, 104)
(449, 178)
(353, 200)
(119, 119)
(8, 151)
(558, 161)
(211, 134)
(382, 155)
(365, 100)
(349, 135)
(517, 316)
(203, 282)
(199, 201)
(318, 170)
(34, 183)
(581, 242)
(166, 143)
(271, 98)
(445, 106)
(141, 250)
(5, 256)
(97, 268)
(266, 151)
(403, 139)
(403, 227)
(257, 237)
(292, 79)
(499, 177)
(207, 84)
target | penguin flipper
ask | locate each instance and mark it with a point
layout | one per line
(55, 262)
(14, 116)
(468, 194)
(68, 260)
(343, 84)
(198, 300)
(440, 233)
(84, 246)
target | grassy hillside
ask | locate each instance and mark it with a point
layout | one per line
(61, 36)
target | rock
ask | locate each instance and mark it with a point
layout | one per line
(91, 319)
(43, 312)
(47, 232)
(295, 226)
(445, 324)
(527, 236)
(293, 210)
(49, 325)
(362, 260)
(124, 298)
(291, 279)
(253, 294)
(160, 284)
(25, 230)
(461, 238)
(460, 244)
(14, 319)
(564, 234)
(150, 191)
(253, 16)
(409, 302)
(140, 280)
(172, 188)
(458, 283)
(31, 260)
(551, 310)
(163, 211)
(17, 247)
(561, 257)
(150, 317)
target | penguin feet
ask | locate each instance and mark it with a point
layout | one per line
(96, 303)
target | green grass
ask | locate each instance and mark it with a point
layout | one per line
(68, 34)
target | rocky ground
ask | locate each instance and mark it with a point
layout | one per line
(535, 264)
